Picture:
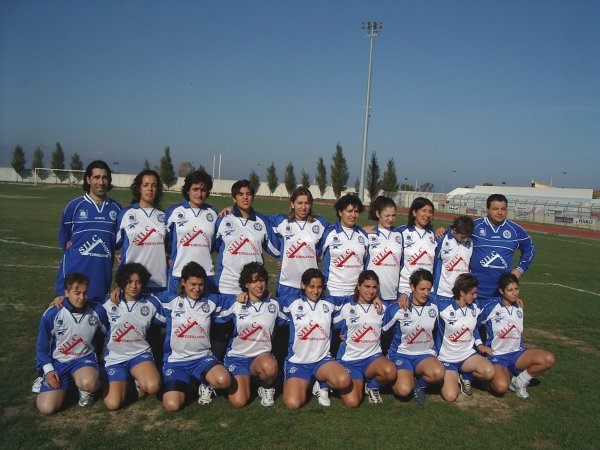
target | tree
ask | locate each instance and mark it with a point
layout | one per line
(406, 187)
(487, 183)
(76, 164)
(272, 180)
(146, 165)
(18, 161)
(58, 160)
(201, 168)
(339, 171)
(184, 169)
(373, 177)
(290, 178)
(305, 179)
(321, 177)
(254, 181)
(389, 183)
(38, 159)
(426, 187)
(165, 168)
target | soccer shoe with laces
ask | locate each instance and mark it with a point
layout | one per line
(465, 385)
(86, 399)
(267, 396)
(419, 396)
(205, 394)
(373, 395)
(321, 394)
(37, 385)
(519, 387)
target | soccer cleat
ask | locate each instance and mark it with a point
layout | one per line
(419, 396)
(321, 394)
(373, 395)
(140, 393)
(267, 396)
(37, 385)
(205, 394)
(465, 385)
(86, 399)
(519, 387)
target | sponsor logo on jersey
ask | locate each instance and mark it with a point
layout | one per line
(127, 333)
(300, 250)
(243, 246)
(421, 258)
(75, 346)
(419, 336)
(386, 258)
(254, 333)
(313, 332)
(494, 261)
(142, 237)
(96, 247)
(506, 234)
(349, 260)
(366, 335)
(191, 329)
(462, 335)
(195, 238)
(510, 331)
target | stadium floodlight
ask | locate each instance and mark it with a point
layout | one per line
(373, 29)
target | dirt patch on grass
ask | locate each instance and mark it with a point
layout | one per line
(555, 337)
(491, 408)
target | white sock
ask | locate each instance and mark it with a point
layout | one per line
(525, 377)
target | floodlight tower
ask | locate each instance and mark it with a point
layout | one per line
(373, 29)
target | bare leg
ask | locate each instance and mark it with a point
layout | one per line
(294, 392)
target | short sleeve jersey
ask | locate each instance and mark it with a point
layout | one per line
(457, 331)
(361, 326)
(418, 253)
(504, 326)
(384, 258)
(413, 329)
(451, 259)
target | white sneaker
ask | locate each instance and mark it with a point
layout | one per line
(140, 393)
(519, 387)
(267, 396)
(205, 394)
(37, 385)
(86, 399)
(465, 385)
(373, 395)
(321, 394)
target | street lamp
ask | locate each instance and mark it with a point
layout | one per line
(373, 29)
(564, 176)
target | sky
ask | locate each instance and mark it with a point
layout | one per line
(463, 92)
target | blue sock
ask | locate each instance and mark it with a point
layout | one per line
(420, 384)
(373, 384)
(467, 376)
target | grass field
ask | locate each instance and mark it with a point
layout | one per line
(562, 294)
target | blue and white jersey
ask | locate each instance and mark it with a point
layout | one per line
(128, 323)
(141, 237)
(191, 233)
(457, 334)
(310, 327)
(384, 258)
(253, 326)
(493, 250)
(239, 242)
(188, 325)
(413, 329)
(66, 335)
(451, 259)
(90, 229)
(418, 253)
(504, 326)
(299, 243)
(344, 255)
(360, 324)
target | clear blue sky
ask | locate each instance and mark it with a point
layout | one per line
(495, 90)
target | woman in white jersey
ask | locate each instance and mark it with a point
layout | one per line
(128, 354)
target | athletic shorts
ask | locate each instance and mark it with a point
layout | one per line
(408, 362)
(455, 366)
(184, 371)
(66, 370)
(121, 371)
(508, 360)
(305, 371)
(238, 365)
(358, 367)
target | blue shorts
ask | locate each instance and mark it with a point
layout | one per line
(66, 370)
(121, 371)
(305, 371)
(508, 360)
(238, 365)
(184, 371)
(455, 366)
(173, 284)
(408, 362)
(358, 367)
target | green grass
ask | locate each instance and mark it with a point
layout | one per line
(562, 412)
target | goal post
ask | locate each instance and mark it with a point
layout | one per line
(45, 175)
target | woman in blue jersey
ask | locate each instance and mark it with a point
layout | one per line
(385, 248)
(128, 354)
(344, 248)
(360, 353)
(249, 351)
(413, 345)
(141, 230)
(308, 359)
(187, 351)
(458, 343)
(418, 240)
(514, 365)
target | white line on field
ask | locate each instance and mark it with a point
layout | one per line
(566, 287)
(27, 243)
(27, 267)
(590, 244)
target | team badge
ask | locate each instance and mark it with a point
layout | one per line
(431, 312)
(271, 309)
(168, 372)
(520, 314)
(506, 234)
(161, 218)
(398, 362)
(257, 226)
(293, 370)
(398, 239)
(205, 308)
(231, 367)
(93, 321)
(482, 232)
(315, 229)
(83, 214)
(145, 310)
(473, 312)
(361, 239)
(210, 217)
(326, 309)
(112, 215)
(409, 238)
(111, 371)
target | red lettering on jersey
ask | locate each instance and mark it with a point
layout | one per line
(413, 336)
(456, 337)
(505, 331)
